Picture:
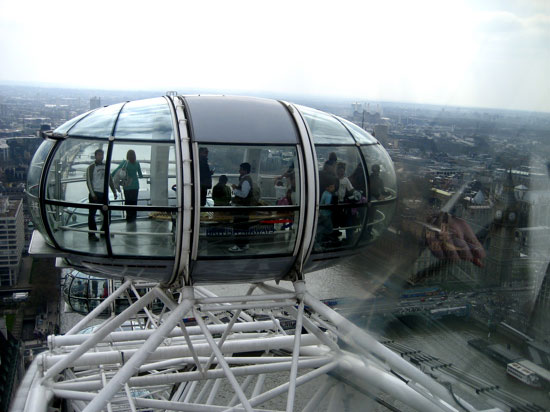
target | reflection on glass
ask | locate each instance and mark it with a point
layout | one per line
(64, 128)
(67, 176)
(33, 185)
(99, 123)
(145, 119)
(378, 219)
(325, 128)
(36, 167)
(153, 233)
(70, 228)
(342, 188)
(362, 136)
(383, 172)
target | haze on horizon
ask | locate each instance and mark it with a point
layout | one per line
(458, 53)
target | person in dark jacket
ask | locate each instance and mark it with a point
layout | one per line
(221, 193)
(205, 174)
(243, 197)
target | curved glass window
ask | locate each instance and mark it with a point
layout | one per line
(144, 175)
(343, 197)
(36, 167)
(66, 179)
(249, 200)
(77, 177)
(382, 193)
(33, 183)
(325, 128)
(99, 123)
(379, 216)
(65, 127)
(151, 169)
(139, 210)
(148, 119)
(362, 136)
(83, 293)
(381, 173)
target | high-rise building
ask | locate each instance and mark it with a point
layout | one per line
(381, 132)
(95, 102)
(12, 240)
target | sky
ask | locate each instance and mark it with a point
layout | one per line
(461, 53)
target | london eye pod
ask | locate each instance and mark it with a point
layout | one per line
(219, 189)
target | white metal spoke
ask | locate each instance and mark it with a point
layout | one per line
(323, 390)
(137, 359)
(295, 356)
(129, 396)
(244, 387)
(229, 327)
(222, 362)
(299, 381)
(164, 363)
(100, 334)
(147, 312)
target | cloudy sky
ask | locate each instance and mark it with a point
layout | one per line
(491, 54)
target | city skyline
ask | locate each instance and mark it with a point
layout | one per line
(493, 55)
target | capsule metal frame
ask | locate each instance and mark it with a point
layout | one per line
(257, 125)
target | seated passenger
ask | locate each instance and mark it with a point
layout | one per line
(221, 193)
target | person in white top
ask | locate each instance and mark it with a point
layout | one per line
(344, 185)
(95, 179)
(342, 215)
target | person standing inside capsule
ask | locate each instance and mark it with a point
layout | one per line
(131, 187)
(243, 197)
(95, 179)
(205, 174)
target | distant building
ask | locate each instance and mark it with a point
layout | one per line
(95, 102)
(12, 240)
(381, 132)
(11, 360)
(4, 150)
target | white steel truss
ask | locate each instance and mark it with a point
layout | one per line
(223, 360)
